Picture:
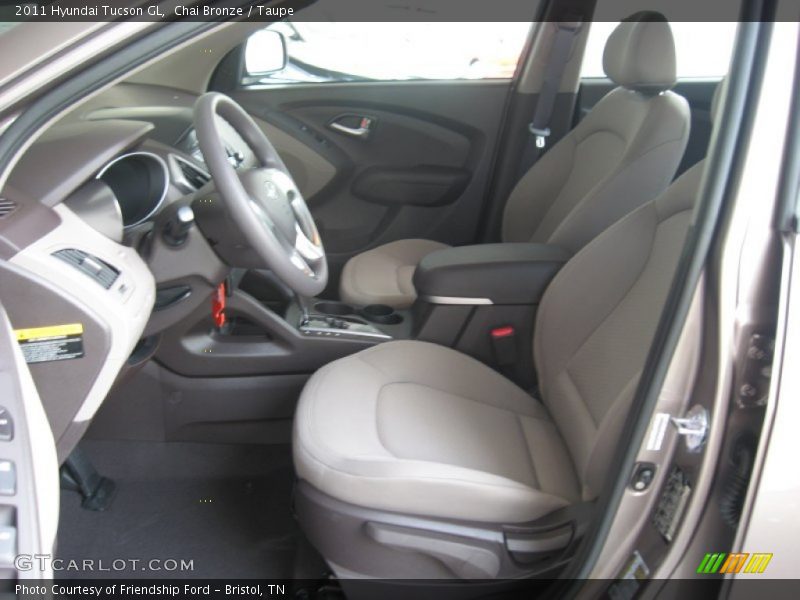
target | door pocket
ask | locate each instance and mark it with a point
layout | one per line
(422, 185)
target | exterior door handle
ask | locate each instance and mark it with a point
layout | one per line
(361, 128)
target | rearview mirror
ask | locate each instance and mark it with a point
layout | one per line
(265, 53)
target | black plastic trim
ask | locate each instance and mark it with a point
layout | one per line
(502, 273)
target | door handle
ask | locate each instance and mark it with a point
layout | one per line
(360, 128)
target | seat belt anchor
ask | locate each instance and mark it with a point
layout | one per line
(504, 345)
(541, 134)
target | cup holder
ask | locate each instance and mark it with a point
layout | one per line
(382, 314)
(334, 309)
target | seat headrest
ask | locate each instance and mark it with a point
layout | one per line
(640, 54)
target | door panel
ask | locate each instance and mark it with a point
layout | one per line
(698, 92)
(422, 185)
(421, 171)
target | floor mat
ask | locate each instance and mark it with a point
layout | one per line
(226, 508)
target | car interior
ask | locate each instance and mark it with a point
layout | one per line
(339, 329)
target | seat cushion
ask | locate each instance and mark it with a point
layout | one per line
(384, 274)
(421, 429)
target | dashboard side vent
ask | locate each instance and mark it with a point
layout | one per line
(194, 176)
(6, 207)
(102, 272)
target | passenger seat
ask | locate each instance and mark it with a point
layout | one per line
(624, 153)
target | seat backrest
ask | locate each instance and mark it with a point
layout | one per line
(590, 353)
(622, 154)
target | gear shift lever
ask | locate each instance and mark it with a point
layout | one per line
(301, 300)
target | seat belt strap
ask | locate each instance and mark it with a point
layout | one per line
(559, 57)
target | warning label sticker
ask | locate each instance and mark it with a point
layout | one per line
(45, 344)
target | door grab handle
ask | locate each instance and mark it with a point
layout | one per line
(360, 132)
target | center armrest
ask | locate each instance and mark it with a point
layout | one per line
(501, 273)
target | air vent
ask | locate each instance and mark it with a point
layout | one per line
(195, 177)
(100, 271)
(6, 207)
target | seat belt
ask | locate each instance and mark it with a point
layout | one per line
(539, 127)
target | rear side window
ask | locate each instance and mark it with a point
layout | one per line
(703, 50)
(327, 52)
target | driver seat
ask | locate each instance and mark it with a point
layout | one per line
(417, 461)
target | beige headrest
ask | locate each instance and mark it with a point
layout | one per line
(640, 54)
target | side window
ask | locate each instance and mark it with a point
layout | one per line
(327, 52)
(695, 56)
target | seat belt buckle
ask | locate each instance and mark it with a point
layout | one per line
(504, 345)
(541, 135)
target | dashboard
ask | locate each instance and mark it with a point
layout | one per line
(133, 162)
(139, 182)
(81, 223)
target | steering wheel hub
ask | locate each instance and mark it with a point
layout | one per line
(269, 190)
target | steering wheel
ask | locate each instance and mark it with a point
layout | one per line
(263, 201)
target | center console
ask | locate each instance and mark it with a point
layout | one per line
(489, 274)
(482, 301)
(376, 322)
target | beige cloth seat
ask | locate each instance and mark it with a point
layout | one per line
(421, 429)
(415, 427)
(384, 275)
(622, 154)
